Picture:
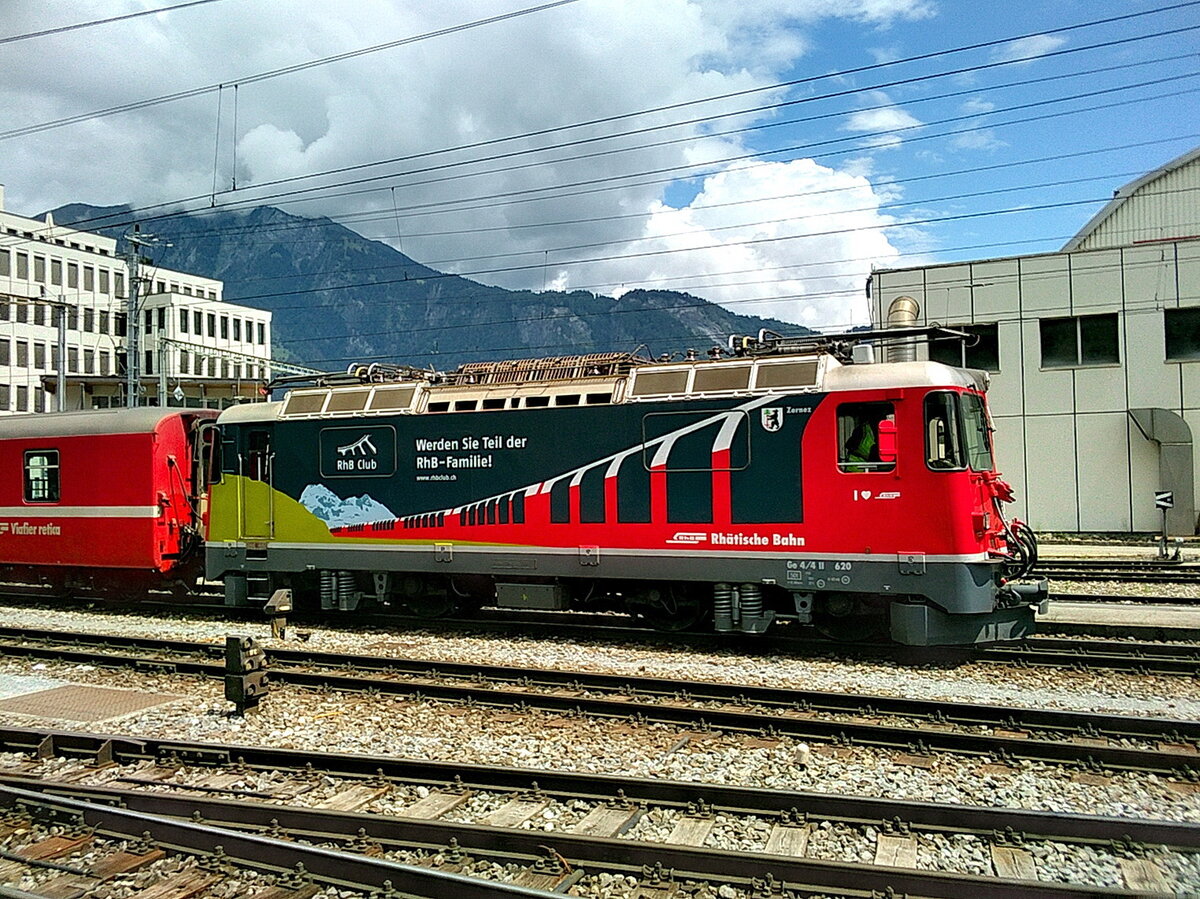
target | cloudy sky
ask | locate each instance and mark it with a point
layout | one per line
(764, 154)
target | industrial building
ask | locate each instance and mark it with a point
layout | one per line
(194, 349)
(1094, 355)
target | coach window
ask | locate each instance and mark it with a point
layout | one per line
(943, 445)
(41, 476)
(866, 437)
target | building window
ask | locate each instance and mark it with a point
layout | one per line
(5, 355)
(22, 354)
(149, 320)
(237, 329)
(1080, 340)
(89, 362)
(22, 311)
(262, 333)
(183, 362)
(197, 324)
(105, 368)
(22, 399)
(72, 274)
(183, 321)
(103, 322)
(73, 319)
(89, 278)
(39, 399)
(41, 471)
(39, 356)
(212, 325)
(212, 366)
(53, 358)
(4, 264)
(4, 310)
(56, 272)
(104, 280)
(162, 318)
(1182, 329)
(23, 266)
(89, 320)
(73, 360)
(39, 269)
(160, 286)
(39, 314)
(149, 366)
(224, 327)
(119, 284)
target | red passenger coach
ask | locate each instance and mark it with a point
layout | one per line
(99, 500)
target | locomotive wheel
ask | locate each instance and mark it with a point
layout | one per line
(669, 607)
(846, 618)
(431, 605)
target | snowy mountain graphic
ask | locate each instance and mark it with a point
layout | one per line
(337, 512)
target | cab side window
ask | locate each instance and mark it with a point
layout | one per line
(41, 476)
(866, 437)
(943, 442)
(258, 456)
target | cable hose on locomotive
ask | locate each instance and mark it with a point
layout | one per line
(1024, 545)
(1029, 541)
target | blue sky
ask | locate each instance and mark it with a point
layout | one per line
(777, 211)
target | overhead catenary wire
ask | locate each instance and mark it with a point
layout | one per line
(280, 72)
(295, 195)
(1082, 73)
(545, 250)
(63, 29)
(674, 172)
(685, 339)
(821, 294)
(754, 241)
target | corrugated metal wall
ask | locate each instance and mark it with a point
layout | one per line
(1164, 208)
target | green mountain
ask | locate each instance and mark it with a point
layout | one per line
(338, 297)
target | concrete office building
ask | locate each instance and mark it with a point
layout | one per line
(194, 348)
(1094, 353)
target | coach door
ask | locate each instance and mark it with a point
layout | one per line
(256, 485)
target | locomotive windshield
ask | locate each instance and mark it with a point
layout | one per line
(977, 433)
(957, 432)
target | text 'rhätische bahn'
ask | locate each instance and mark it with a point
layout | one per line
(783, 479)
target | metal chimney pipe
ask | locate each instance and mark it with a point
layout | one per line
(902, 313)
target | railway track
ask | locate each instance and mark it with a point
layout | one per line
(1139, 571)
(918, 727)
(71, 842)
(376, 804)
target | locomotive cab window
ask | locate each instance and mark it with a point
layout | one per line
(258, 456)
(41, 476)
(977, 433)
(943, 443)
(866, 437)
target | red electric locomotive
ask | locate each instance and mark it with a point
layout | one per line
(783, 480)
(101, 501)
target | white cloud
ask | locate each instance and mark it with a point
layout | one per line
(981, 138)
(1027, 48)
(587, 60)
(881, 123)
(800, 251)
